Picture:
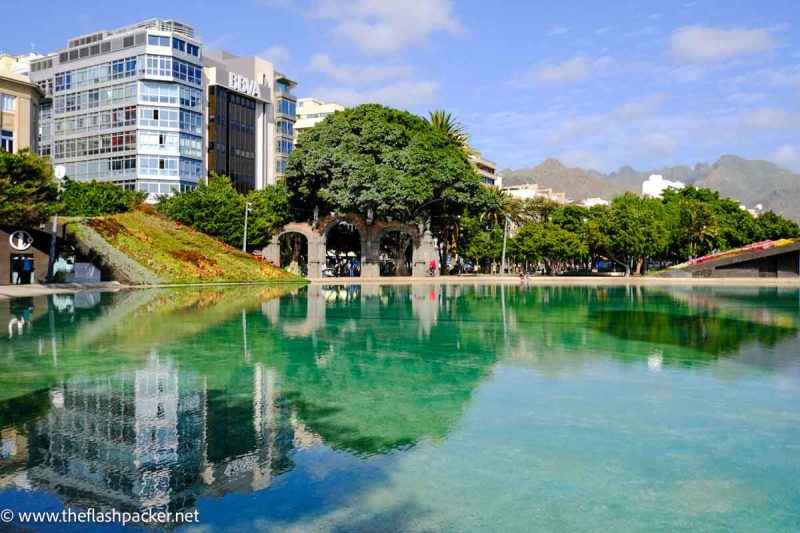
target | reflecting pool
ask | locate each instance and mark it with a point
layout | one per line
(406, 408)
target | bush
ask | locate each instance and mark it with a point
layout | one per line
(92, 199)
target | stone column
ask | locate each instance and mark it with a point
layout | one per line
(423, 255)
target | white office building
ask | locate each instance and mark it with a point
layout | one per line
(250, 119)
(655, 185)
(126, 106)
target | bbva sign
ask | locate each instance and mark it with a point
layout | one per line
(237, 82)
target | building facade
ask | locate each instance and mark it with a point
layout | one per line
(655, 185)
(126, 106)
(486, 169)
(19, 105)
(250, 119)
(311, 111)
(529, 191)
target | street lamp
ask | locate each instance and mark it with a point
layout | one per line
(248, 208)
(505, 237)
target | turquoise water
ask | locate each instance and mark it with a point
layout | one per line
(407, 408)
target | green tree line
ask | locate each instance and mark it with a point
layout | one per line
(631, 233)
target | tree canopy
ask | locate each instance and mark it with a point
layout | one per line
(92, 198)
(28, 192)
(217, 209)
(376, 159)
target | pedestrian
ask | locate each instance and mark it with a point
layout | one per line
(432, 268)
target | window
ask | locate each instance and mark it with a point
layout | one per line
(285, 128)
(158, 40)
(287, 107)
(8, 102)
(193, 49)
(191, 98)
(282, 87)
(177, 44)
(7, 140)
(285, 147)
(280, 166)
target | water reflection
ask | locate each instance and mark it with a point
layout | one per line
(158, 399)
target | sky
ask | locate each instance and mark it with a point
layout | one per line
(594, 83)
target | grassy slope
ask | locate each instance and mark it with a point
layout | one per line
(175, 253)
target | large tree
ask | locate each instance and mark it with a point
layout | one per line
(28, 192)
(217, 209)
(636, 231)
(374, 160)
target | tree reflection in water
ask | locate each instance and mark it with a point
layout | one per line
(158, 398)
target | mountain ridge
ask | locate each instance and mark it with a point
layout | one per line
(748, 181)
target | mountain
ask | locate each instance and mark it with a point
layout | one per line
(750, 182)
(577, 183)
(685, 173)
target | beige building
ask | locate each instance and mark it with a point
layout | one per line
(310, 111)
(529, 191)
(487, 170)
(19, 105)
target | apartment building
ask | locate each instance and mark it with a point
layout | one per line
(126, 106)
(19, 105)
(486, 169)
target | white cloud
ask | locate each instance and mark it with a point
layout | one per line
(403, 93)
(638, 107)
(745, 97)
(655, 144)
(702, 44)
(603, 123)
(276, 54)
(571, 71)
(386, 26)
(786, 156)
(558, 30)
(770, 118)
(353, 75)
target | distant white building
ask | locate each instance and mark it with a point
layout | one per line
(754, 211)
(591, 202)
(655, 185)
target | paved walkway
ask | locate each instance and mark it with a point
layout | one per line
(19, 291)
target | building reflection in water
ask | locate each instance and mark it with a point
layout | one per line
(153, 438)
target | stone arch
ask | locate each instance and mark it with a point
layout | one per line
(272, 252)
(344, 252)
(370, 236)
(401, 262)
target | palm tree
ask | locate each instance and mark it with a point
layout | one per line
(454, 130)
(508, 207)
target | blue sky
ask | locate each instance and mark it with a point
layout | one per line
(594, 83)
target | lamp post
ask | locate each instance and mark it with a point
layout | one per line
(503, 259)
(248, 207)
(59, 172)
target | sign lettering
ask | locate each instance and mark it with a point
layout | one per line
(237, 82)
